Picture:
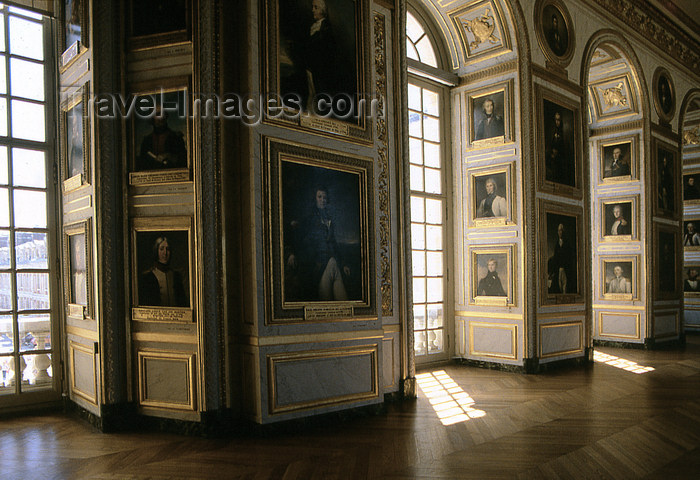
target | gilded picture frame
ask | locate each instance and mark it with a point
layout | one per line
(619, 219)
(664, 94)
(500, 193)
(490, 115)
(157, 23)
(691, 233)
(493, 278)
(691, 279)
(559, 158)
(74, 36)
(163, 111)
(624, 287)
(319, 211)
(162, 269)
(691, 187)
(557, 287)
(554, 30)
(78, 270)
(666, 193)
(667, 253)
(618, 159)
(75, 140)
(308, 88)
(614, 97)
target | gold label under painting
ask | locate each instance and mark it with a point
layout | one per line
(326, 312)
(173, 314)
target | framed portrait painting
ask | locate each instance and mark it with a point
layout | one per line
(664, 94)
(75, 33)
(490, 115)
(691, 187)
(161, 137)
(561, 247)
(666, 165)
(559, 144)
(619, 219)
(75, 142)
(321, 235)
(158, 22)
(619, 277)
(77, 259)
(618, 159)
(691, 233)
(667, 256)
(554, 31)
(691, 279)
(493, 275)
(317, 65)
(491, 192)
(162, 267)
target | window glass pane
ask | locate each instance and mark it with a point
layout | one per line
(414, 128)
(411, 51)
(415, 151)
(26, 38)
(4, 249)
(4, 207)
(35, 330)
(4, 176)
(419, 317)
(425, 50)
(28, 121)
(432, 154)
(433, 211)
(434, 286)
(3, 117)
(413, 97)
(434, 262)
(431, 129)
(28, 168)
(435, 341)
(37, 372)
(431, 103)
(3, 74)
(32, 291)
(420, 344)
(6, 335)
(435, 316)
(30, 250)
(418, 290)
(433, 182)
(417, 209)
(418, 263)
(413, 29)
(5, 291)
(2, 36)
(7, 377)
(26, 13)
(418, 236)
(433, 237)
(27, 79)
(416, 178)
(30, 209)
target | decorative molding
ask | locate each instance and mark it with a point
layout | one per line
(559, 81)
(495, 71)
(383, 157)
(657, 28)
(619, 128)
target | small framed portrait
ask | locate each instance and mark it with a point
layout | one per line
(77, 259)
(491, 193)
(317, 63)
(665, 161)
(322, 234)
(691, 187)
(619, 219)
(559, 149)
(493, 275)
(75, 127)
(691, 233)
(618, 159)
(664, 94)
(554, 31)
(667, 256)
(162, 266)
(158, 22)
(161, 142)
(490, 115)
(75, 34)
(561, 249)
(619, 278)
(691, 279)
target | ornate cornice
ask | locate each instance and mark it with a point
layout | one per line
(652, 24)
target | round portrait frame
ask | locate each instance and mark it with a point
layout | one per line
(658, 74)
(559, 60)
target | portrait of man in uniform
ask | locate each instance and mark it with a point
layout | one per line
(491, 196)
(617, 160)
(618, 219)
(556, 33)
(487, 116)
(163, 268)
(492, 272)
(562, 254)
(618, 277)
(559, 144)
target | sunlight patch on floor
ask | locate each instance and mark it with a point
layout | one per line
(451, 403)
(621, 363)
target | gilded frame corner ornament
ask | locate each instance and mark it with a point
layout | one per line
(555, 8)
(77, 308)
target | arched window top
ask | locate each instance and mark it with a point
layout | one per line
(418, 44)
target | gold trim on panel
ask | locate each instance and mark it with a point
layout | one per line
(391, 341)
(83, 333)
(160, 337)
(275, 359)
(495, 72)
(500, 326)
(638, 322)
(486, 314)
(74, 346)
(563, 352)
(185, 357)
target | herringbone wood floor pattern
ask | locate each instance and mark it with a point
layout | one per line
(595, 423)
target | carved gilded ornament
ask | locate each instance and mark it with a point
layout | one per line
(482, 28)
(692, 137)
(613, 96)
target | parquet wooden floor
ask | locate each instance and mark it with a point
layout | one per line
(596, 423)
